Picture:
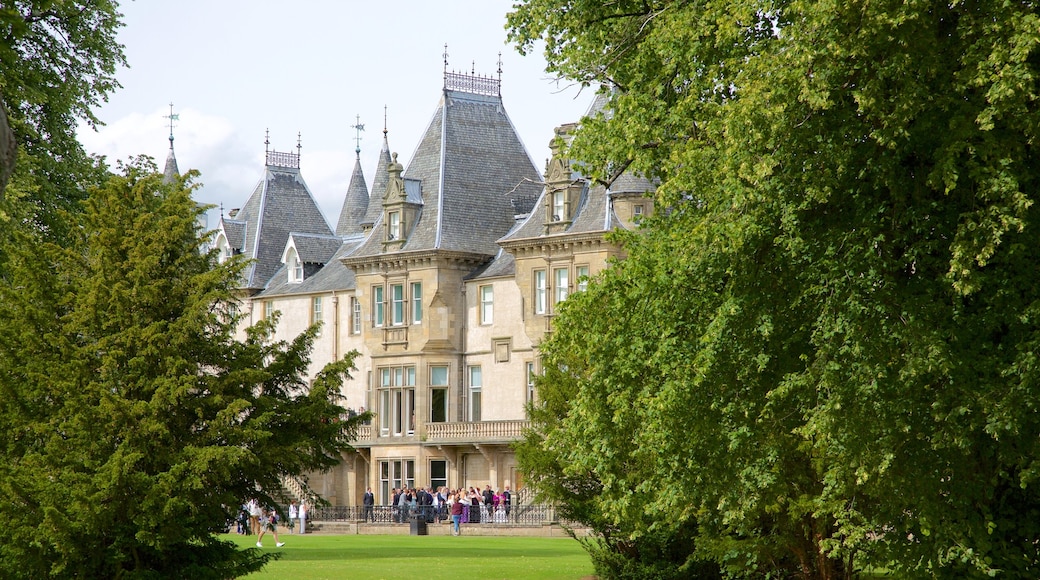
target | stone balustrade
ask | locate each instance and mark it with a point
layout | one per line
(459, 432)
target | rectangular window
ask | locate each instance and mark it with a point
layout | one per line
(394, 230)
(475, 384)
(377, 305)
(438, 474)
(355, 315)
(530, 382)
(316, 316)
(438, 405)
(637, 210)
(438, 394)
(397, 401)
(397, 304)
(539, 292)
(487, 304)
(268, 308)
(395, 474)
(560, 285)
(416, 302)
(582, 274)
(558, 205)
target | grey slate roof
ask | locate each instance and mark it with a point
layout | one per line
(333, 276)
(355, 204)
(314, 248)
(379, 182)
(504, 264)
(170, 172)
(235, 232)
(472, 165)
(280, 203)
(594, 212)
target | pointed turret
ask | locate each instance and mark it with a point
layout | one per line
(170, 172)
(355, 204)
(375, 209)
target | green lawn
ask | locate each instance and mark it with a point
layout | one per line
(315, 557)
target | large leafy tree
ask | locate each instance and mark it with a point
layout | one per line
(57, 62)
(823, 352)
(132, 422)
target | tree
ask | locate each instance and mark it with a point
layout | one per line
(57, 62)
(824, 348)
(132, 423)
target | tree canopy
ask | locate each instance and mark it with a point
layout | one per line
(58, 61)
(821, 354)
(132, 422)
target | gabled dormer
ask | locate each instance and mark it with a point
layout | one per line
(305, 254)
(563, 189)
(402, 203)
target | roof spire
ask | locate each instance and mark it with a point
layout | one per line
(172, 117)
(384, 122)
(171, 171)
(267, 141)
(358, 128)
(500, 66)
(445, 57)
(299, 143)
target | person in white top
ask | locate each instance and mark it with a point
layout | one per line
(294, 512)
(303, 517)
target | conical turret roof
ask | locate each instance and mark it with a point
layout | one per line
(355, 204)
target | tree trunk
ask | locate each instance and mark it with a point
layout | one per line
(8, 148)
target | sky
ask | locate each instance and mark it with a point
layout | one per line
(235, 70)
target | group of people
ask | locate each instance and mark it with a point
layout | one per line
(473, 506)
(470, 505)
(257, 521)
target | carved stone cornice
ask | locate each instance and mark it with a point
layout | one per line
(402, 261)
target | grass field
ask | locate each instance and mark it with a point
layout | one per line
(319, 557)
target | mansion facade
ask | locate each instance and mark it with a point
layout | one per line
(445, 278)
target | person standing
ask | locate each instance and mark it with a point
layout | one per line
(456, 514)
(369, 502)
(507, 501)
(254, 516)
(303, 516)
(294, 512)
(270, 523)
(488, 499)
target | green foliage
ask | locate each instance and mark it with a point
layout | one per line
(825, 348)
(132, 423)
(57, 62)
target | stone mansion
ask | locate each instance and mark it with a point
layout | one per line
(445, 278)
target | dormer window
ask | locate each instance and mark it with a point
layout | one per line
(394, 226)
(294, 266)
(558, 205)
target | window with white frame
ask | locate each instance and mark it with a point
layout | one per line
(268, 309)
(394, 227)
(397, 304)
(539, 292)
(377, 306)
(398, 473)
(295, 266)
(530, 382)
(438, 394)
(397, 401)
(558, 205)
(355, 315)
(560, 284)
(487, 304)
(475, 384)
(316, 314)
(582, 274)
(417, 309)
